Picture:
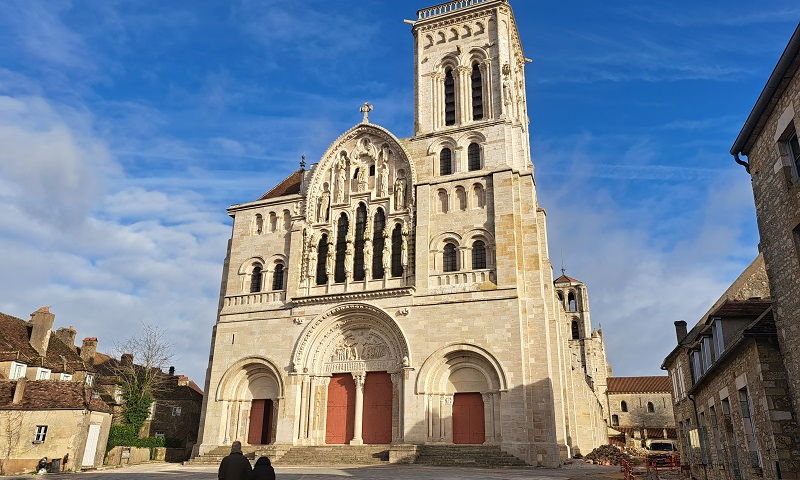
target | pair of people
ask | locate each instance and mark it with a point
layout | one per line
(236, 467)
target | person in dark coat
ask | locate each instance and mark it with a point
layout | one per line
(235, 466)
(263, 470)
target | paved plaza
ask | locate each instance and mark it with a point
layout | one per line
(387, 472)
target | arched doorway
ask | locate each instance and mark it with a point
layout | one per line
(352, 357)
(469, 422)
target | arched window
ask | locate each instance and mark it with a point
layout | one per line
(473, 157)
(273, 222)
(477, 92)
(397, 251)
(576, 332)
(561, 297)
(461, 197)
(450, 258)
(259, 227)
(651, 408)
(255, 279)
(479, 196)
(449, 97)
(322, 258)
(572, 305)
(615, 420)
(358, 254)
(287, 221)
(277, 277)
(377, 244)
(445, 161)
(623, 406)
(341, 247)
(478, 255)
(444, 201)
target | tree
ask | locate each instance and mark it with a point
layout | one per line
(11, 422)
(139, 374)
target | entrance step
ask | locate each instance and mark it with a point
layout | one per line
(251, 452)
(466, 455)
(335, 455)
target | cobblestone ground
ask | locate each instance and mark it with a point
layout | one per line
(388, 472)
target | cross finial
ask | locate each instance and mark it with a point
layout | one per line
(303, 162)
(365, 109)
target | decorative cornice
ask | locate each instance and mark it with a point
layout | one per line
(350, 296)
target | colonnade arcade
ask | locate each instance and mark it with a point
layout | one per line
(351, 381)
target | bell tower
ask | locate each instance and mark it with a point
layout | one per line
(469, 67)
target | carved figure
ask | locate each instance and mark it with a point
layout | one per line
(385, 154)
(404, 252)
(386, 256)
(400, 193)
(348, 260)
(324, 206)
(311, 264)
(330, 261)
(341, 177)
(383, 187)
(361, 178)
(367, 257)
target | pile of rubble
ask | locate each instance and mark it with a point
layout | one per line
(607, 455)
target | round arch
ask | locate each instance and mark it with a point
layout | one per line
(437, 369)
(253, 370)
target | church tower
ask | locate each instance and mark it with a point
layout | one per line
(400, 290)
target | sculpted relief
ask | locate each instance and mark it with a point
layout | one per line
(360, 345)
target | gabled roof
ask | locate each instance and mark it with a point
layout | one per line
(655, 384)
(566, 279)
(288, 186)
(50, 395)
(15, 345)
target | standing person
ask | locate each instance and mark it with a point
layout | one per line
(263, 470)
(235, 466)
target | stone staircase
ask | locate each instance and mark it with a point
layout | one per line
(274, 452)
(466, 455)
(336, 455)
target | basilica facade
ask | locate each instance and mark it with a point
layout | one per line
(399, 291)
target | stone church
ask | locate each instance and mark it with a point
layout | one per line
(399, 291)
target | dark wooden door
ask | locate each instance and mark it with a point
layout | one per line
(377, 426)
(341, 409)
(468, 421)
(260, 430)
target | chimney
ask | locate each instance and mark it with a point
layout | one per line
(680, 330)
(171, 371)
(19, 391)
(183, 380)
(42, 322)
(126, 359)
(67, 335)
(88, 349)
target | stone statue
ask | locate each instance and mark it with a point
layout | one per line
(367, 258)
(385, 154)
(404, 252)
(311, 265)
(348, 260)
(361, 178)
(400, 193)
(383, 187)
(341, 177)
(324, 205)
(330, 261)
(386, 257)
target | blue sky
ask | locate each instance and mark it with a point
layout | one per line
(126, 128)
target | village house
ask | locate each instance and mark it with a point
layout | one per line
(640, 409)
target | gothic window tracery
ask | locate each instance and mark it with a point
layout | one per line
(450, 258)
(397, 251)
(378, 244)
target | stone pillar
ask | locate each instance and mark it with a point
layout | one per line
(464, 93)
(359, 420)
(446, 418)
(488, 416)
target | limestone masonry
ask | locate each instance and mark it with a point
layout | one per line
(399, 291)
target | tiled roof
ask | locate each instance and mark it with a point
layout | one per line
(742, 308)
(50, 394)
(15, 345)
(657, 384)
(566, 279)
(289, 186)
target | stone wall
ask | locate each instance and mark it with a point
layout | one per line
(776, 188)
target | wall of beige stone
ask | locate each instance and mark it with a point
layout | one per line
(637, 415)
(776, 188)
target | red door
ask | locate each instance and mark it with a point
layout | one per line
(468, 421)
(260, 422)
(341, 409)
(377, 426)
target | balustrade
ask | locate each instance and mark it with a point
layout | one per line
(446, 7)
(255, 298)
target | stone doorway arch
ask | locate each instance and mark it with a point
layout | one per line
(361, 341)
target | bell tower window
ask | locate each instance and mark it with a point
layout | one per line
(445, 162)
(378, 242)
(449, 97)
(477, 92)
(450, 258)
(358, 254)
(255, 279)
(473, 157)
(322, 255)
(397, 246)
(341, 247)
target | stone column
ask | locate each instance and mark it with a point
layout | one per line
(488, 416)
(464, 92)
(359, 420)
(446, 417)
(397, 411)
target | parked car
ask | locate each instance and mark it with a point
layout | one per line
(662, 453)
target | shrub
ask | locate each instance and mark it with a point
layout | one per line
(128, 436)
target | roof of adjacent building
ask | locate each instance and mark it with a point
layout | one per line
(777, 83)
(170, 386)
(15, 345)
(288, 186)
(654, 384)
(50, 395)
(566, 279)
